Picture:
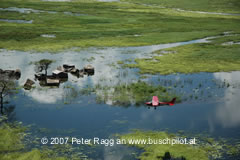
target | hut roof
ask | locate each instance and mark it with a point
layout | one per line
(52, 81)
(57, 71)
(88, 66)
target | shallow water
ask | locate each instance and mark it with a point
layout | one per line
(16, 21)
(48, 35)
(20, 10)
(215, 111)
(25, 10)
(30, 10)
(202, 12)
(230, 43)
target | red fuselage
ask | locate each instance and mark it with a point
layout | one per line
(155, 102)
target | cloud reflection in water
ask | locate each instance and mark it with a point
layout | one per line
(228, 112)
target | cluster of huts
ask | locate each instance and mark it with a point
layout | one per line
(59, 75)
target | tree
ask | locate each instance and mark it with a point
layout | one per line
(43, 65)
(7, 88)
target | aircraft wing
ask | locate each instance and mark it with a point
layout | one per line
(171, 103)
(163, 103)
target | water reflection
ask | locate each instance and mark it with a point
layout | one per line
(119, 152)
(228, 112)
(50, 96)
(9, 112)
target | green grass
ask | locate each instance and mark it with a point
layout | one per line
(206, 57)
(12, 146)
(11, 138)
(105, 24)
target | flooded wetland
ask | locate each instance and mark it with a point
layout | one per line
(78, 73)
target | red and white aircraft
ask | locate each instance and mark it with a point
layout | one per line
(155, 102)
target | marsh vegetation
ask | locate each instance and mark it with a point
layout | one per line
(133, 94)
(13, 145)
(105, 24)
(205, 147)
(205, 57)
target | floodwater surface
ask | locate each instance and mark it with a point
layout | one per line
(210, 101)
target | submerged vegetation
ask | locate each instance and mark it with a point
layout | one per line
(132, 94)
(215, 56)
(197, 147)
(157, 151)
(92, 23)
